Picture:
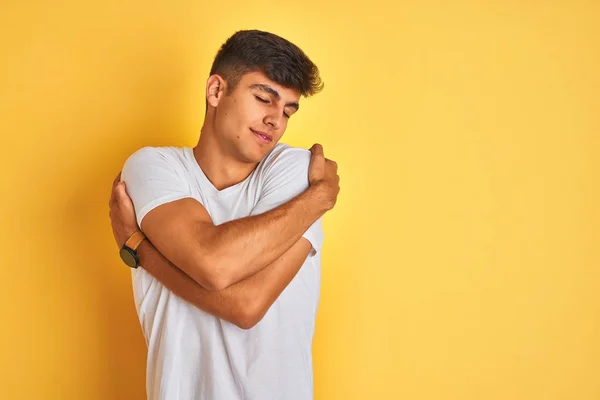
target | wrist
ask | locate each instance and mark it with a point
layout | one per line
(128, 251)
(315, 199)
(133, 239)
(124, 235)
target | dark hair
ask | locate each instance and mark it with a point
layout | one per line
(280, 60)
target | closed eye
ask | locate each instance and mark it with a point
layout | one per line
(267, 102)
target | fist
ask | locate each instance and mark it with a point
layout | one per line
(323, 175)
(122, 213)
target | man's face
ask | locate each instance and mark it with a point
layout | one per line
(252, 119)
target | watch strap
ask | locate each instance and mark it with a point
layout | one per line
(134, 240)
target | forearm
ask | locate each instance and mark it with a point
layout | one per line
(242, 247)
(225, 305)
(242, 304)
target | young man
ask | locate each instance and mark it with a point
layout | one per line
(230, 239)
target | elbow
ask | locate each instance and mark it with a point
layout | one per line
(249, 314)
(211, 274)
(218, 284)
(245, 324)
(214, 270)
(213, 282)
(212, 285)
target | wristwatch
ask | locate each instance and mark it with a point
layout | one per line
(128, 251)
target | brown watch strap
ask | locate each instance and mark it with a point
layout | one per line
(134, 240)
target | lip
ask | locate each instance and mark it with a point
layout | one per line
(258, 135)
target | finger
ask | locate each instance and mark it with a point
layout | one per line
(119, 190)
(116, 181)
(317, 150)
(123, 197)
(331, 164)
(123, 189)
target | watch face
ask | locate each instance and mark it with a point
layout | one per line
(129, 257)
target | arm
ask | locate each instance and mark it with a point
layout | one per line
(218, 256)
(244, 303)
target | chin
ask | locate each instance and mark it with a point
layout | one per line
(252, 157)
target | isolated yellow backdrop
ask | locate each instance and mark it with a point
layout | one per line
(461, 261)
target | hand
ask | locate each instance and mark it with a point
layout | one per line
(322, 174)
(122, 213)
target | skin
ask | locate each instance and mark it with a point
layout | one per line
(228, 151)
(268, 249)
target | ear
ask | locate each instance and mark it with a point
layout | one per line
(215, 89)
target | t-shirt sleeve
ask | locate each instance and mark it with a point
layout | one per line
(286, 177)
(152, 179)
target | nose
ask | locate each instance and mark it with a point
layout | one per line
(273, 119)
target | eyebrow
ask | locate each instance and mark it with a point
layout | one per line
(275, 93)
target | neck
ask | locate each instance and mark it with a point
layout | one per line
(218, 164)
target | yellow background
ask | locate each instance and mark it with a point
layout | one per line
(461, 261)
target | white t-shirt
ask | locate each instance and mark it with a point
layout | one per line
(195, 355)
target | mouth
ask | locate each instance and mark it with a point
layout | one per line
(262, 136)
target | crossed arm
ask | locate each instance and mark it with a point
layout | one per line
(245, 302)
(235, 270)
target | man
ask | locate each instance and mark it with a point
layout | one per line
(230, 239)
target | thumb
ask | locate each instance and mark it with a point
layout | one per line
(121, 189)
(317, 150)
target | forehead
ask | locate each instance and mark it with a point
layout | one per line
(258, 78)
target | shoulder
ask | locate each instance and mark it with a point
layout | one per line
(155, 163)
(155, 159)
(155, 155)
(284, 156)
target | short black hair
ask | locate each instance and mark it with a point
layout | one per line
(280, 60)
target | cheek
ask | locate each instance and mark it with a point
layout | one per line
(283, 126)
(256, 110)
(230, 120)
(242, 115)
